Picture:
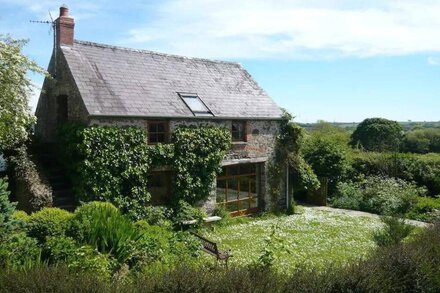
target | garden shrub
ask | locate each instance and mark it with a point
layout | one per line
(393, 232)
(158, 215)
(58, 249)
(19, 252)
(185, 212)
(31, 188)
(198, 153)
(102, 226)
(377, 194)
(87, 259)
(327, 159)
(6, 209)
(349, 196)
(426, 209)
(424, 170)
(48, 222)
(21, 216)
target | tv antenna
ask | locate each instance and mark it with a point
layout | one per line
(52, 28)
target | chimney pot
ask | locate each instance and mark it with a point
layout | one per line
(65, 25)
(64, 10)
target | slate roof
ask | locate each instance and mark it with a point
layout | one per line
(115, 81)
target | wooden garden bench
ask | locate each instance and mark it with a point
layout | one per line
(212, 249)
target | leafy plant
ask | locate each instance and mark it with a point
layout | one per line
(288, 146)
(6, 209)
(102, 226)
(377, 194)
(393, 233)
(184, 212)
(426, 209)
(19, 252)
(35, 192)
(48, 222)
(15, 90)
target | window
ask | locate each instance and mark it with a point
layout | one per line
(238, 131)
(157, 132)
(196, 105)
(159, 186)
(238, 189)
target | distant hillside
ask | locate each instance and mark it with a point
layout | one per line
(407, 125)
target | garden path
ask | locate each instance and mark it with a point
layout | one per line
(365, 214)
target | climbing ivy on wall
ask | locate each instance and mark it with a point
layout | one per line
(288, 153)
(108, 164)
(198, 153)
(112, 163)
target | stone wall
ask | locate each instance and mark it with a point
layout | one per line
(60, 83)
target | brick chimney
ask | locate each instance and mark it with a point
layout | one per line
(64, 27)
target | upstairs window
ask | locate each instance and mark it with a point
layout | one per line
(196, 105)
(238, 131)
(157, 132)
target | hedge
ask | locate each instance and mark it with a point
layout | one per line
(424, 170)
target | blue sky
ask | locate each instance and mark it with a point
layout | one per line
(331, 60)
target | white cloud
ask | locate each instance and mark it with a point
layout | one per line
(290, 29)
(434, 61)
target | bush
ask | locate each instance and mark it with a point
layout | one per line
(349, 196)
(327, 158)
(426, 209)
(31, 188)
(19, 252)
(424, 170)
(87, 259)
(102, 226)
(393, 233)
(379, 195)
(423, 140)
(185, 212)
(6, 209)
(48, 222)
(58, 249)
(158, 215)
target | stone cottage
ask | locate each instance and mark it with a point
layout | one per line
(107, 85)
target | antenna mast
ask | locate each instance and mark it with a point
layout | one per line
(53, 28)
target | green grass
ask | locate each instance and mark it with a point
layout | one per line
(314, 238)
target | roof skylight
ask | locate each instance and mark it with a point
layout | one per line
(196, 105)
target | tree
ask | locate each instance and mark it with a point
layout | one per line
(378, 134)
(327, 158)
(15, 88)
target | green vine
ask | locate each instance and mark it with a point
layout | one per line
(288, 153)
(113, 163)
(198, 153)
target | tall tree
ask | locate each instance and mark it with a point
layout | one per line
(378, 134)
(15, 89)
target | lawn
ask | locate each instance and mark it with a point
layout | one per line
(313, 238)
